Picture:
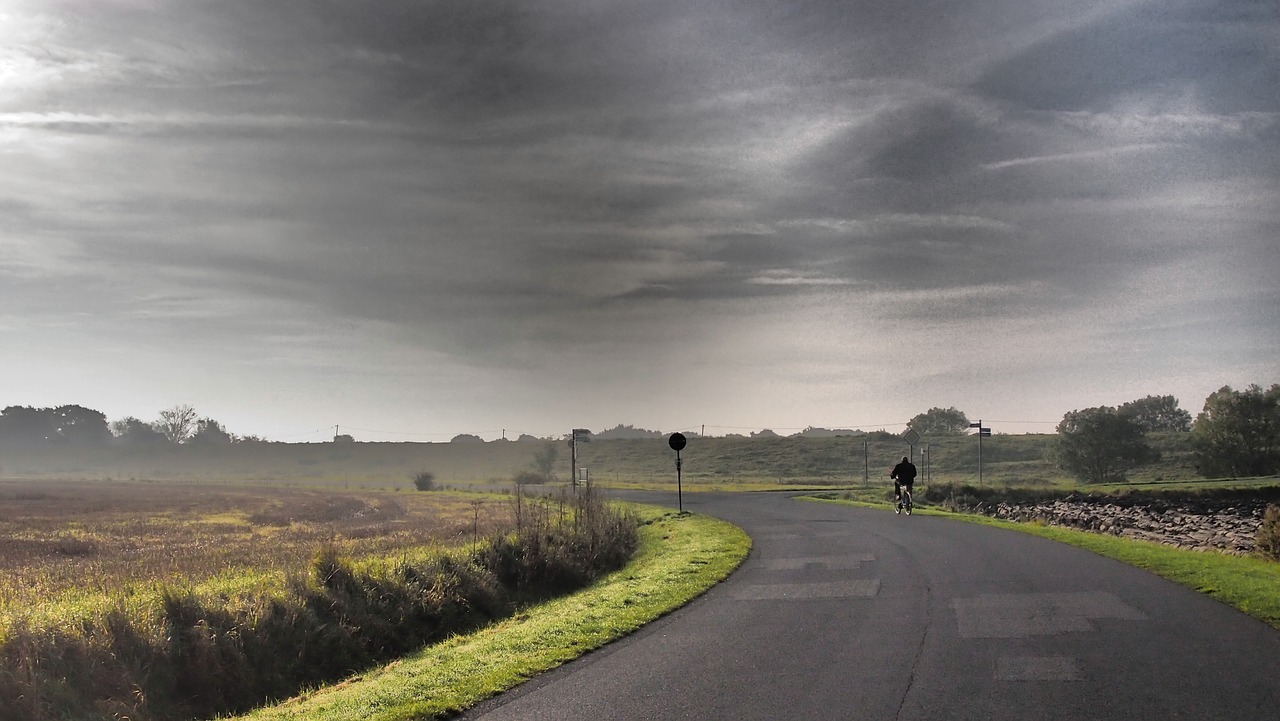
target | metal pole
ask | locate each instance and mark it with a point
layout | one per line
(866, 466)
(679, 484)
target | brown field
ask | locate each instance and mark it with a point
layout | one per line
(106, 537)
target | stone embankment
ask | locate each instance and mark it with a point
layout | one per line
(1228, 526)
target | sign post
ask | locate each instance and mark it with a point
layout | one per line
(912, 438)
(584, 434)
(982, 432)
(677, 442)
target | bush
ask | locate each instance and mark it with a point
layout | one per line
(424, 481)
(1267, 544)
(524, 478)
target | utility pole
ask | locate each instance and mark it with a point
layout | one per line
(573, 457)
(982, 432)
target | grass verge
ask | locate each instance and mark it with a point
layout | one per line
(679, 558)
(1249, 584)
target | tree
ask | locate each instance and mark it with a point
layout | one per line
(1100, 445)
(544, 461)
(1238, 433)
(627, 431)
(940, 421)
(210, 433)
(80, 425)
(466, 438)
(424, 481)
(177, 423)
(1155, 414)
(26, 426)
(135, 432)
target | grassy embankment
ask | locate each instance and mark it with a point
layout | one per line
(131, 598)
(186, 646)
(680, 556)
(1249, 584)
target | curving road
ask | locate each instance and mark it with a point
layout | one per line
(851, 613)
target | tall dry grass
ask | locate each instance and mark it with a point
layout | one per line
(191, 652)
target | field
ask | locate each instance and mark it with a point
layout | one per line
(154, 600)
(81, 537)
(710, 462)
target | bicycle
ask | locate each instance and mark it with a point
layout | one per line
(904, 501)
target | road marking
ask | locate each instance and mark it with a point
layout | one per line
(857, 588)
(1038, 668)
(1017, 615)
(841, 563)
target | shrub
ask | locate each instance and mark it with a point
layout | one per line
(529, 477)
(424, 481)
(1268, 539)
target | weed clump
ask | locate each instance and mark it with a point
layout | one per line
(1267, 542)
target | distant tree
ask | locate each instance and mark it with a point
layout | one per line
(1099, 445)
(1238, 432)
(526, 438)
(526, 477)
(544, 461)
(177, 423)
(80, 425)
(627, 431)
(344, 438)
(134, 432)
(940, 421)
(812, 432)
(764, 433)
(424, 481)
(1155, 414)
(27, 426)
(210, 433)
(466, 438)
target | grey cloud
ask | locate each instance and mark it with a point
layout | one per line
(1225, 52)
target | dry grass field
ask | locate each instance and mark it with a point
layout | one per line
(59, 537)
(157, 600)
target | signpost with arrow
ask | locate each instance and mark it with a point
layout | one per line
(982, 433)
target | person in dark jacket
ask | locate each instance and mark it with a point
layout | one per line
(903, 474)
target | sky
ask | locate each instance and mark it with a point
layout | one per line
(411, 219)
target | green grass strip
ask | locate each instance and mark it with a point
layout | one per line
(1248, 583)
(680, 557)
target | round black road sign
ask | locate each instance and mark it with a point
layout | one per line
(676, 441)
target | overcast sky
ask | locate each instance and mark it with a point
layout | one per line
(416, 218)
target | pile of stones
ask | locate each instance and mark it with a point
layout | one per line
(1230, 526)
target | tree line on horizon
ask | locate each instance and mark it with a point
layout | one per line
(26, 426)
(1237, 434)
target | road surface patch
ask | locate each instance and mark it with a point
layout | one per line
(1018, 615)
(858, 588)
(1038, 668)
(834, 563)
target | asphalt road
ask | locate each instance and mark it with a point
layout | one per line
(851, 613)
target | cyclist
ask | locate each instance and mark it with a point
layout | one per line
(903, 474)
